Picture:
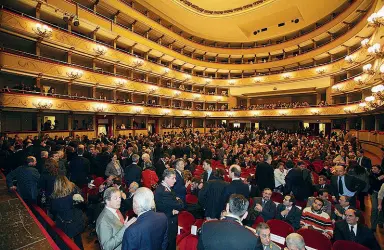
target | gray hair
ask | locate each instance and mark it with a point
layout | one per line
(238, 204)
(135, 158)
(108, 193)
(261, 226)
(143, 200)
(168, 172)
(295, 240)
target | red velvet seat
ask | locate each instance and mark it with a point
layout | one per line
(188, 243)
(199, 222)
(302, 204)
(315, 239)
(186, 220)
(280, 228)
(181, 236)
(277, 197)
(258, 220)
(345, 244)
(191, 199)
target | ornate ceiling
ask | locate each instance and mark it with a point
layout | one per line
(237, 20)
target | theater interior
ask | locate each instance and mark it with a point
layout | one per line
(137, 68)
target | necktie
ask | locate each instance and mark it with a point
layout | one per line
(121, 218)
(352, 233)
(341, 190)
(263, 203)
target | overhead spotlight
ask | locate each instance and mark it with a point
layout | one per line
(76, 21)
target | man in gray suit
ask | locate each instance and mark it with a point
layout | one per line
(110, 226)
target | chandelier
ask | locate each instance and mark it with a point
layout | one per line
(359, 80)
(137, 62)
(100, 50)
(365, 43)
(378, 92)
(99, 108)
(42, 31)
(376, 19)
(349, 111)
(75, 74)
(375, 50)
(349, 59)
(120, 82)
(368, 69)
(43, 104)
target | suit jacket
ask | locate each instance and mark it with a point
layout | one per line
(364, 235)
(265, 177)
(211, 199)
(179, 187)
(352, 183)
(269, 209)
(149, 232)
(132, 173)
(225, 234)
(78, 169)
(166, 202)
(365, 162)
(299, 183)
(27, 180)
(293, 217)
(341, 210)
(235, 187)
(254, 191)
(160, 167)
(272, 246)
(109, 230)
(326, 187)
(211, 177)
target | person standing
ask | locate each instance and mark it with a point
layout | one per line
(79, 168)
(168, 203)
(132, 173)
(27, 178)
(376, 180)
(150, 231)
(264, 175)
(110, 225)
(180, 187)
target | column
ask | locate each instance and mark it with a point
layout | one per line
(248, 102)
(377, 123)
(114, 92)
(362, 123)
(348, 98)
(68, 88)
(93, 93)
(348, 124)
(38, 120)
(318, 97)
(70, 123)
(69, 57)
(205, 124)
(94, 125)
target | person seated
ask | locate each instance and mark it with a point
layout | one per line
(351, 229)
(263, 232)
(322, 184)
(122, 126)
(316, 219)
(263, 206)
(344, 205)
(322, 194)
(294, 241)
(288, 212)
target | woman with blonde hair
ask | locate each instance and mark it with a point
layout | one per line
(68, 217)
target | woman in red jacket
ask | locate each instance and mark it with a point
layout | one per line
(150, 178)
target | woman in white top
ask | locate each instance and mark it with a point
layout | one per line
(280, 173)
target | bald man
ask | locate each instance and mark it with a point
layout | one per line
(237, 186)
(347, 185)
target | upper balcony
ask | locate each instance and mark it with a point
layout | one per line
(107, 31)
(83, 46)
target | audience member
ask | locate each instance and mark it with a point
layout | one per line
(288, 212)
(295, 241)
(376, 180)
(339, 210)
(262, 206)
(132, 173)
(236, 186)
(150, 230)
(322, 194)
(114, 168)
(314, 218)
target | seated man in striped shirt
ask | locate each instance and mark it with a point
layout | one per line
(315, 218)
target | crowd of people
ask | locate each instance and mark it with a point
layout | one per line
(323, 182)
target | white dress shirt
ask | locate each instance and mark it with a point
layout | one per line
(114, 212)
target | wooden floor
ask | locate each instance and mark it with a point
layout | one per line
(89, 242)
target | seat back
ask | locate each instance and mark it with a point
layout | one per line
(315, 239)
(191, 199)
(345, 244)
(189, 243)
(186, 220)
(280, 228)
(258, 220)
(277, 197)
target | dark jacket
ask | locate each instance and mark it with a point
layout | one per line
(235, 187)
(179, 187)
(352, 183)
(264, 177)
(211, 198)
(268, 212)
(46, 182)
(226, 234)
(149, 232)
(364, 235)
(160, 167)
(293, 217)
(132, 173)
(299, 182)
(211, 177)
(365, 163)
(79, 169)
(27, 180)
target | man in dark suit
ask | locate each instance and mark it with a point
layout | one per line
(208, 174)
(262, 206)
(344, 184)
(132, 173)
(340, 209)
(27, 178)
(167, 202)
(178, 151)
(363, 161)
(150, 231)
(288, 212)
(236, 186)
(161, 165)
(127, 199)
(226, 233)
(322, 184)
(180, 187)
(349, 229)
(298, 181)
(79, 168)
(254, 190)
(210, 196)
(265, 177)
